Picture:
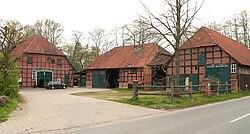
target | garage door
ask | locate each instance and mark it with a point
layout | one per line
(99, 79)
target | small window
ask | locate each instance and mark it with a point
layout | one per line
(133, 71)
(30, 60)
(233, 68)
(59, 62)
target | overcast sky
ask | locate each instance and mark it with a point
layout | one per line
(84, 15)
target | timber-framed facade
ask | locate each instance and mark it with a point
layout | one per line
(42, 62)
(208, 53)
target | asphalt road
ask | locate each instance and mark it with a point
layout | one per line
(232, 117)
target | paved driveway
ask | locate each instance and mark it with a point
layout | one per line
(56, 111)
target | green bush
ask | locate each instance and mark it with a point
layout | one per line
(213, 82)
(8, 77)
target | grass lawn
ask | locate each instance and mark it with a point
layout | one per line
(7, 109)
(160, 102)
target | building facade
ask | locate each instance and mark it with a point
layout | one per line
(121, 65)
(40, 62)
(208, 53)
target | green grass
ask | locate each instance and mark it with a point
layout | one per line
(161, 102)
(7, 109)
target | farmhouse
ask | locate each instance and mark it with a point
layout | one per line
(208, 53)
(41, 62)
(121, 65)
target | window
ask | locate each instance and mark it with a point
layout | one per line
(59, 62)
(132, 70)
(233, 68)
(30, 60)
(201, 59)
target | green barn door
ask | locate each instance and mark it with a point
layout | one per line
(83, 81)
(48, 77)
(40, 79)
(99, 79)
(195, 81)
(66, 79)
(95, 79)
(222, 73)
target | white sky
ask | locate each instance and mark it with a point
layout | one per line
(84, 15)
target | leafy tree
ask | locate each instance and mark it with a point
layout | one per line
(11, 33)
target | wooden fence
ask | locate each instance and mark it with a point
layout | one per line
(173, 90)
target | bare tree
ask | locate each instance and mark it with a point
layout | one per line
(49, 29)
(173, 25)
(245, 28)
(101, 40)
(237, 28)
(139, 33)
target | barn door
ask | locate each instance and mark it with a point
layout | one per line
(222, 73)
(48, 77)
(195, 81)
(66, 79)
(99, 79)
(83, 81)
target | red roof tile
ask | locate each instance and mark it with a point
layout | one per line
(36, 44)
(208, 37)
(130, 56)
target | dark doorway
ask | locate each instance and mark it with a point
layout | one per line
(159, 75)
(75, 82)
(112, 77)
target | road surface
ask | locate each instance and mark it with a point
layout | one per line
(232, 117)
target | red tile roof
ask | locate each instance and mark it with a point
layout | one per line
(131, 56)
(36, 44)
(207, 37)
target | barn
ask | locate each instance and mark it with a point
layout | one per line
(41, 62)
(208, 53)
(121, 65)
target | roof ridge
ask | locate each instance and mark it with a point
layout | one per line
(31, 43)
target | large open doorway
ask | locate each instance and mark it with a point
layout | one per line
(159, 75)
(112, 77)
(43, 77)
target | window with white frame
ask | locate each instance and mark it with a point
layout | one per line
(233, 68)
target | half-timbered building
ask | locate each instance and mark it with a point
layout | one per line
(41, 62)
(208, 53)
(118, 67)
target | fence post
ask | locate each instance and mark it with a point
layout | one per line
(218, 88)
(171, 92)
(236, 88)
(227, 86)
(135, 90)
(190, 89)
